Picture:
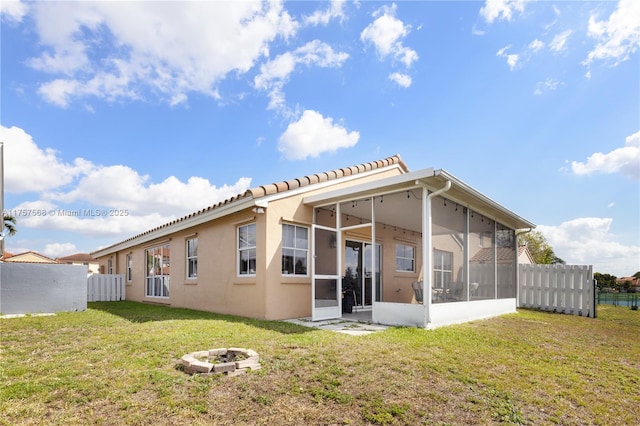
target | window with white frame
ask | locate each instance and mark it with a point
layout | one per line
(158, 270)
(109, 266)
(405, 258)
(129, 268)
(295, 249)
(442, 269)
(247, 249)
(192, 258)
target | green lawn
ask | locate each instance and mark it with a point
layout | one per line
(118, 363)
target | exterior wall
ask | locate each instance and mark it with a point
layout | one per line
(42, 288)
(92, 267)
(286, 296)
(524, 258)
(217, 287)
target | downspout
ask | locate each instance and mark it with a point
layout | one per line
(374, 280)
(519, 232)
(427, 243)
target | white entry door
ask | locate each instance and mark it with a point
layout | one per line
(326, 285)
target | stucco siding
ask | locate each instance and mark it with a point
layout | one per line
(286, 296)
(217, 287)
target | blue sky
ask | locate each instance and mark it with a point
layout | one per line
(161, 108)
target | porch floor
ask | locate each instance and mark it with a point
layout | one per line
(355, 324)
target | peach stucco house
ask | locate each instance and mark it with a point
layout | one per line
(311, 246)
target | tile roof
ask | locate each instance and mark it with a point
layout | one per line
(30, 257)
(635, 282)
(6, 255)
(277, 187)
(283, 186)
(78, 257)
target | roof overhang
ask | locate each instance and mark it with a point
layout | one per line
(433, 180)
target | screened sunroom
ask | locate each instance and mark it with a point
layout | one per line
(419, 249)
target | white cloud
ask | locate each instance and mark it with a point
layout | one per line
(121, 187)
(625, 160)
(89, 221)
(512, 58)
(313, 135)
(386, 34)
(549, 85)
(275, 73)
(476, 31)
(501, 9)
(619, 36)
(559, 41)
(28, 168)
(74, 197)
(54, 250)
(275, 70)
(334, 11)
(402, 80)
(536, 45)
(165, 49)
(13, 10)
(321, 54)
(589, 241)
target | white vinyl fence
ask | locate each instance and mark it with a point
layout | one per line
(105, 288)
(560, 288)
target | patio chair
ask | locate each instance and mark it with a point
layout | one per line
(417, 291)
(473, 289)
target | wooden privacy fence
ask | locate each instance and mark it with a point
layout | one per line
(105, 288)
(560, 288)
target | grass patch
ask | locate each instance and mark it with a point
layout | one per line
(117, 363)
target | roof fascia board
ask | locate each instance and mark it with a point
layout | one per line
(216, 213)
(368, 187)
(477, 194)
(321, 185)
(408, 181)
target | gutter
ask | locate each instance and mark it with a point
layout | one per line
(446, 187)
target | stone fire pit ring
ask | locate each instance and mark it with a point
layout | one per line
(229, 361)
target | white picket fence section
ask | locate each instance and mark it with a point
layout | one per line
(105, 287)
(560, 288)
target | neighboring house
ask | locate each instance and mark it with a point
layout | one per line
(285, 250)
(633, 281)
(81, 259)
(524, 256)
(28, 257)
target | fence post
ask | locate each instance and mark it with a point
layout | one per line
(594, 286)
